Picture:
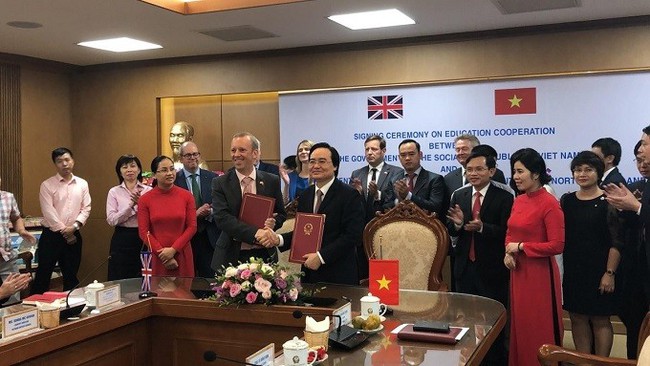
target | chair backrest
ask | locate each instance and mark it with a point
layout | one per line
(287, 226)
(417, 239)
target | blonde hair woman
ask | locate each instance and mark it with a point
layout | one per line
(298, 180)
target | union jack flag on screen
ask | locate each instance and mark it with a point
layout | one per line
(385, 107)
(147, 272)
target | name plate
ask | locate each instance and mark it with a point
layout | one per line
(108, 296)
(263, 357)
(345, 312)
(20, 322)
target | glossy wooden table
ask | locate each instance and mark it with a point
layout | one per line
(176, 329)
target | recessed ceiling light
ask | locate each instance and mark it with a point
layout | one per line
(372, 19)
(122, 44)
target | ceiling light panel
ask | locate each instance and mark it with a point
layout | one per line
(122, 44)
(372, 19)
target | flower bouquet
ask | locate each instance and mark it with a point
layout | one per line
(257, 282)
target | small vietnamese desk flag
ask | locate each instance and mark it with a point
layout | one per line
(515, 101)
(384, 280)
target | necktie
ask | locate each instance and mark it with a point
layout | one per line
(411, 179)
(374, 175)
(476, 208)
(319, 200)
(196, 190)
(247, 185)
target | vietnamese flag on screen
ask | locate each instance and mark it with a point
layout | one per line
(384, 280)
(515, 101)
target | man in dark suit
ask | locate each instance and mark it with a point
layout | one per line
(266, 167)
(478, 216)
(199, 182)
(426, 189)
(342, 206)
(609, 150)
(240, 241)
(375, 183)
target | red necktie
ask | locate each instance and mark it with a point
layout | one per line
(476, 208)
(410, 184)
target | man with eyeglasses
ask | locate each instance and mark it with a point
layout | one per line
(342, 206)
(199, 182)
(478, 216)
(238, 240)
(426, 189)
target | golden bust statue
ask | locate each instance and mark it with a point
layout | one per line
(181, 132)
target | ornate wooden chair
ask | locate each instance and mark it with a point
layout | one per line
(552, 355)
(418, 239)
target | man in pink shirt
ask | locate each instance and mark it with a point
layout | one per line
(65, 204)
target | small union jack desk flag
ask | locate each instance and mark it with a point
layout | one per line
(147, 272)
(385, 107)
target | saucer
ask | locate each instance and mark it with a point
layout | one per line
(373, 331)
(318, 362)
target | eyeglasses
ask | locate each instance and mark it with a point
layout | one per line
(479, 170)
(192, 155)
(318, 161)
(584, 170)
(165, 171)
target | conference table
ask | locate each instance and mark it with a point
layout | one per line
(177, 328)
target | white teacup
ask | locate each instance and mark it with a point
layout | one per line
(371, 305)
(296, 353)
(90, 293)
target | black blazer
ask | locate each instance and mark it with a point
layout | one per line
(343, 232)
(226, 202)
(614, 177)
(430, 192)
(489, 245)
(269, 168)
(385, 179)
(205, 184)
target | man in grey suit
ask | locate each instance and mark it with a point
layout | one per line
(426, 189)
(199, 182)
(375, 183)
(238, 240)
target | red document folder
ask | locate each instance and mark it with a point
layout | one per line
(255, 209)
(408, 334)
(307, 235)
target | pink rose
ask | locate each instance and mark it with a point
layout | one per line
(235, 289)
(266, 295)
(262, 285)
(251, 297)
(226, 284)
(245, 274)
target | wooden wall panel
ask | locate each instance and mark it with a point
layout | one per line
(11, 171)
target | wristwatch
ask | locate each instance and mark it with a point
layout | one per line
(76, 226)
(610, 272)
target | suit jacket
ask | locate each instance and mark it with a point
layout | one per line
(489, 245)
(454, 179)
(343, 231)
(430, 192)
(385, 179)
(226, 202)
(202, 223)
(614, 177)
(269, 168)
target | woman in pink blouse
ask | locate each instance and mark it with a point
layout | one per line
(121, 212)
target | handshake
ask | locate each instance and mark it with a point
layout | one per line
(265, 236)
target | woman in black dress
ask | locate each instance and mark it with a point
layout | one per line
(591, 256)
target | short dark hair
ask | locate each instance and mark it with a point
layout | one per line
(59, 151)
(408, 141)
(533, 161)
(485, 149)
(290, 162)
(127, 159)
(490, 161)
(609, 146)
(382, 142)
(591, 159)
(637, 147)
(336, 158)
(646, 130)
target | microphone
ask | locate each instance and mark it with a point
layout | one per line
(70, 312)
(344, 337)
(210, 356)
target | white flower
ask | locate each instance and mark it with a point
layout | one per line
(268, 269)
(254, 267)
(246, 285)
(293, 294)
(231, 272)
(243, 266)
(266, 295)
